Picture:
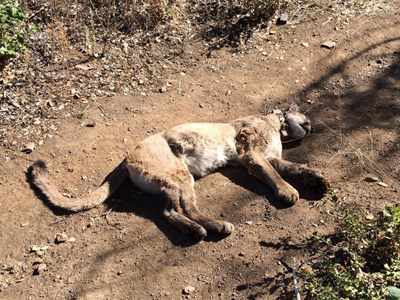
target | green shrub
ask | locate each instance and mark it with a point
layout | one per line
(365, 263)
(13, 29)
(12, 33)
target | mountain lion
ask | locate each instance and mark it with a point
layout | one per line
(167, 161)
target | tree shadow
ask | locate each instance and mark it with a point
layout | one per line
(375, 106)
(284, 280)
(230, 24)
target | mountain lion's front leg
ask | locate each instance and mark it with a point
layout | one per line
(258, 166)
(311, 178)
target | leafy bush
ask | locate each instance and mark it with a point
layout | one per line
(365, 263)
(12, 33)
(13, 29)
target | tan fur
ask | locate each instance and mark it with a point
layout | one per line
(166, 163)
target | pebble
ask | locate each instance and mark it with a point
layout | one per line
(369, 217)
(328, 45)
(283, 18)
(306, 269)
(29, 147)
(40, 269)
(38, 249)
(61, 238)
(188, 290)
(382, 184)
(371, 178)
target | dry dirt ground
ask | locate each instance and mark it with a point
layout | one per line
(126, 250)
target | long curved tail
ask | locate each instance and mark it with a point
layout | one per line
(112, 182)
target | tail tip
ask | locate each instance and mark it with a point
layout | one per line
(39, 166)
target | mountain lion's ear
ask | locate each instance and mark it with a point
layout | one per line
(280, 114)
(293, 107)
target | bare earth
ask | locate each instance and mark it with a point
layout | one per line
(126, 250)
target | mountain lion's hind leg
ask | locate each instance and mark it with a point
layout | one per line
(173, 214)
(188, 204)
(154, 168)
(183, 212)
(311, 178)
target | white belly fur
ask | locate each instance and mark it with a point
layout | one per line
(203, 160)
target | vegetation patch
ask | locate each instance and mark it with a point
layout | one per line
(362, 256)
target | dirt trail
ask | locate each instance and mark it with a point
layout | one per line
(126, 250)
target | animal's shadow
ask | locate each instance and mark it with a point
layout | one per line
(241, 177)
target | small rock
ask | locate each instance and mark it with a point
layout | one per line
(38, 250)
(283, 18)
(40, 269)
(369, 217)
(61, 238)
(382, 184)
(84, 67)
(29, 148)
(328, 45)
(306, 269)
(371, 178)
(305, 44)
(249, 222)
(241, 254)
(188, 290)
(201, 105)
(35, 248)
(163, 89)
